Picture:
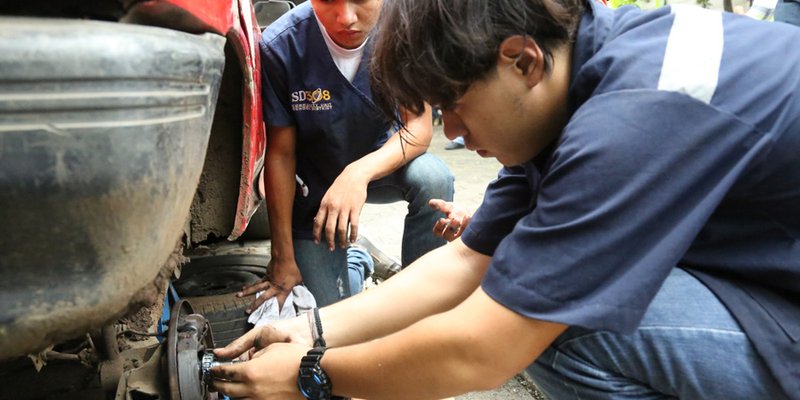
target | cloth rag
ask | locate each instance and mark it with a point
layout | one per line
(299, 301)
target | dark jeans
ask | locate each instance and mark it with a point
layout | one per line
(788, 11)
(327, 274)
(688, 346)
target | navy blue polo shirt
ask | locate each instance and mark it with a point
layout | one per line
(682, 149)
(336, 121)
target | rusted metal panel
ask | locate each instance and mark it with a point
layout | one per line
(236, 21)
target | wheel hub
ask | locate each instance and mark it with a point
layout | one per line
(188, 339)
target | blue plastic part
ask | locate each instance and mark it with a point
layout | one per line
(169, 300)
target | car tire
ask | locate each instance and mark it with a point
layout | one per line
(225, 314)
(210, 284)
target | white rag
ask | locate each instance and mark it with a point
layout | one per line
(297, 302)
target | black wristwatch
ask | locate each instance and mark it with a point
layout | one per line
(312, 381)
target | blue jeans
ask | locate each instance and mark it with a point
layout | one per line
(788, 11)
(359, 266)
(325, 272)
(688, 346)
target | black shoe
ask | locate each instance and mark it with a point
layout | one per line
(453, 146)
(385, 265)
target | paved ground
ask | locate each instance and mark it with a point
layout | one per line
(384, 226)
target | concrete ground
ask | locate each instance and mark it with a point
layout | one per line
(384, 227)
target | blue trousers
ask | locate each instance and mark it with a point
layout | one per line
(359, 266)
(788, 11)
(688, 346)
(326, 273)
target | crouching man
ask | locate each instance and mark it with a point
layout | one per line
(640, 242)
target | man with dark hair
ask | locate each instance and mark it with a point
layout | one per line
(641, 240)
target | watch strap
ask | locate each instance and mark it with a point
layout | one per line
(319, 341)
(315, 325)
(312, 358)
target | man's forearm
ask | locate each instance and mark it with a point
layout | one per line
(398, 151)
(280, 190)
(436, 282)
(476, 346)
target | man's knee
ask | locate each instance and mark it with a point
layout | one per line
(432, 176)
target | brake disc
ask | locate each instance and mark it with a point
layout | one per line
(188, 338)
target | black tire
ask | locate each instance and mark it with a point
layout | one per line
(210, 285)
(226, 315)
(216, 275)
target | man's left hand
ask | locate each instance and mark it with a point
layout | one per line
(455, 222)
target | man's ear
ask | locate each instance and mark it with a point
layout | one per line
(524, 56)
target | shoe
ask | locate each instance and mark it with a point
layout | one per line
(385, 265)
(453, 145)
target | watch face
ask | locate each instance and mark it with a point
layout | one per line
(311, 379)
(314, 384)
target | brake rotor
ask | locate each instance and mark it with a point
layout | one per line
(188, 338)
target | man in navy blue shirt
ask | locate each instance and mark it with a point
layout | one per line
(330, 150)
(641, 240)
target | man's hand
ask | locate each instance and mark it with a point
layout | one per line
(295, 330)
(341, 207)
(271, 374)
(283, 276)
(455, 222)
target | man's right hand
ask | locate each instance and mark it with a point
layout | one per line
(282, 277)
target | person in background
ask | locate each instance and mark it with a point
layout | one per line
(762, 9)
(436, 115)
(455, 144)
(620, 254)
(330, 150)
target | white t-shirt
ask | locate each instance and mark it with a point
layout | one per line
(347, 60)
